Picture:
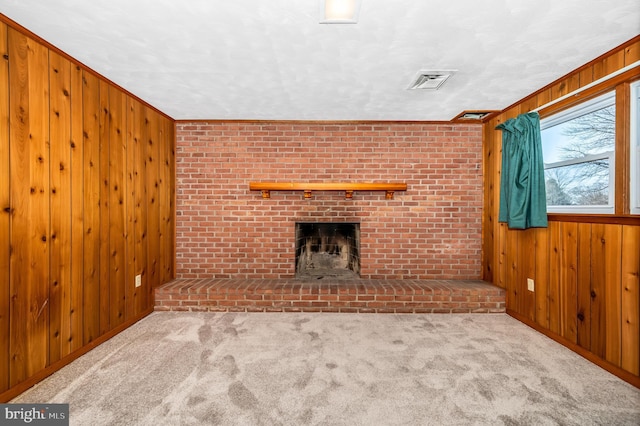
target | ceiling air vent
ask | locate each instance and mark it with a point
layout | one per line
(430, 80)
(474, 115)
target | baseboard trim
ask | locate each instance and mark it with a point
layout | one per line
(590, 356)
(16, 390)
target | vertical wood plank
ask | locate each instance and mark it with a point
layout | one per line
(60, 199)
(76, 312)
(598, 290)
(613, 289)
(542, 277)
(91, 206)
(568, 281)
(105, 205)
(565, 86)
(137, 148)
(555, 272)
(632, 54)
(167, 194)
(170, 140)
(605, 291)
(29, 193)
(630, 333)
(599, 70)
(512, 270)
(528, 105)
(500, 228)
(527, 269)
(584, 286)
(489, 219)
(153, 212)
(117, 206)
(5, 210)
(163, 198)
(502, 263)
(612, 63)
(543, 97)
(132, 136)
(586, 76)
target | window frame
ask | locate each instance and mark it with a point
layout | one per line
(634, 148)
(585, 107)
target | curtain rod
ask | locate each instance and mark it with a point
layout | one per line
(593, 83)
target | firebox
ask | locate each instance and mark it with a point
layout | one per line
(327, 250)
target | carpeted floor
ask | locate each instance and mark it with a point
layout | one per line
(179, 368)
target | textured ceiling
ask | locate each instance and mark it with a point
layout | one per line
(257, 59)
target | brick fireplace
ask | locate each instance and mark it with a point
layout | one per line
(430, 231)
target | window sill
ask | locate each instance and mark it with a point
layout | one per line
(595, 218)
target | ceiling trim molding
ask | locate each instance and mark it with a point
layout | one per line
(321, 122)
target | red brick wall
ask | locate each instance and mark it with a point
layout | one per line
(431, 231)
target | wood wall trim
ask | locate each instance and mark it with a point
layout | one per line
(46, 372)
(616, 371)
(592, 92)
(593, 218)
(13, 24)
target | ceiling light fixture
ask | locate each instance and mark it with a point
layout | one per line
(339, 11)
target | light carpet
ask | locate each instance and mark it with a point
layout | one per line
(180, 368)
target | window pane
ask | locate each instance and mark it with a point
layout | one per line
(584, 184)
(591, 133)
(578, 146)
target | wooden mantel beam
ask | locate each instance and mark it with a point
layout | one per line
(308, 187)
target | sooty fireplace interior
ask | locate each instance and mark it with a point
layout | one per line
(327, 250)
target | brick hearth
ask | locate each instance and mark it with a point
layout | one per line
(355, 296)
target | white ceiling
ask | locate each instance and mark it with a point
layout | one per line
(271, 59)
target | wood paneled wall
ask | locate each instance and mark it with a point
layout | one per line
(87, 192)
(586, 269)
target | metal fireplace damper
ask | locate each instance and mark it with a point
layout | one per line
(327, 250)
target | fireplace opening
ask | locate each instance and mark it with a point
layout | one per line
(327, 250)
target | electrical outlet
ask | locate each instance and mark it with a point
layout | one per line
(530, 284)
(138, 280)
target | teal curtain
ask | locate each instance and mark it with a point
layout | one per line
(523, 200)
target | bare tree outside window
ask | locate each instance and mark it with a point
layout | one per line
(579, 173)
(591, 133)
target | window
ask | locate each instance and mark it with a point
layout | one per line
(579, 149)
(635, 148)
